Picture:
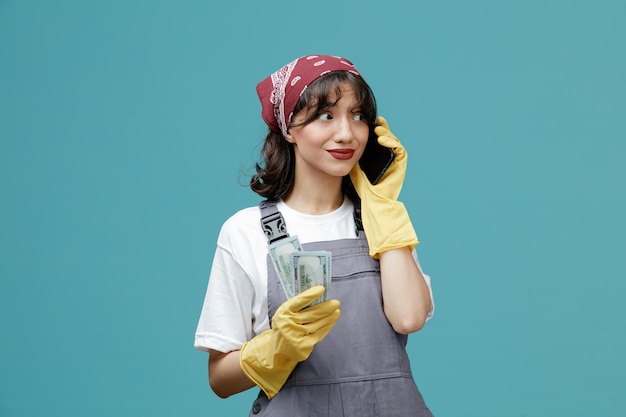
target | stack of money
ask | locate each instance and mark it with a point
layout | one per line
(299, 270)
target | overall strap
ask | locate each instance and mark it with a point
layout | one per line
(272, 222)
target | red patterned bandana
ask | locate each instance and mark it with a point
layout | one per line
(279, 93)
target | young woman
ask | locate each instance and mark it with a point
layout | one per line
(313, 360)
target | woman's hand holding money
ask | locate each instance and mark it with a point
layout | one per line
(269, 358)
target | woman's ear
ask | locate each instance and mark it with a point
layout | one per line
(289, 138)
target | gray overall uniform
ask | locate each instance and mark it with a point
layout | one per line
(361, 367)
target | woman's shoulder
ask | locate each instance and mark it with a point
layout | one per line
(243, 220)
(242, 236)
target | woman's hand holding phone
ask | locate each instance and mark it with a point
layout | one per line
(385, 220)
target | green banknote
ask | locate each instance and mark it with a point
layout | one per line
(310, 268)
(279, 252)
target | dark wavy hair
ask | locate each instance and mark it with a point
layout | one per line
(275, 173)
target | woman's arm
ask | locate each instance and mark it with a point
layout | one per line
(406, 297)
(225, 375)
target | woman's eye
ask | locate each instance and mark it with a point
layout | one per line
(324, 116)
(358, 117)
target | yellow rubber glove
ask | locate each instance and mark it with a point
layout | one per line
(269, 358)
(385, 220)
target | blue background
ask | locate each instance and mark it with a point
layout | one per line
(125, 129)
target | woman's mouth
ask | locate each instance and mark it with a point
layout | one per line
(341, 153)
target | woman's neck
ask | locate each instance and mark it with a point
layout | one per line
(315, 198)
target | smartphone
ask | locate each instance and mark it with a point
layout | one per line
(375, 159)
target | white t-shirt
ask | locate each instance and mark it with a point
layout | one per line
(235, 305)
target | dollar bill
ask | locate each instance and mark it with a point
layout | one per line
(279, 252)
(310, 268)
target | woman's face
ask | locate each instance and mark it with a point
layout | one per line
(331, 144)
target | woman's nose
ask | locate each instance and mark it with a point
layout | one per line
(344, 131)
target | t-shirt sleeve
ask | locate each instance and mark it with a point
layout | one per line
(226, 319)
